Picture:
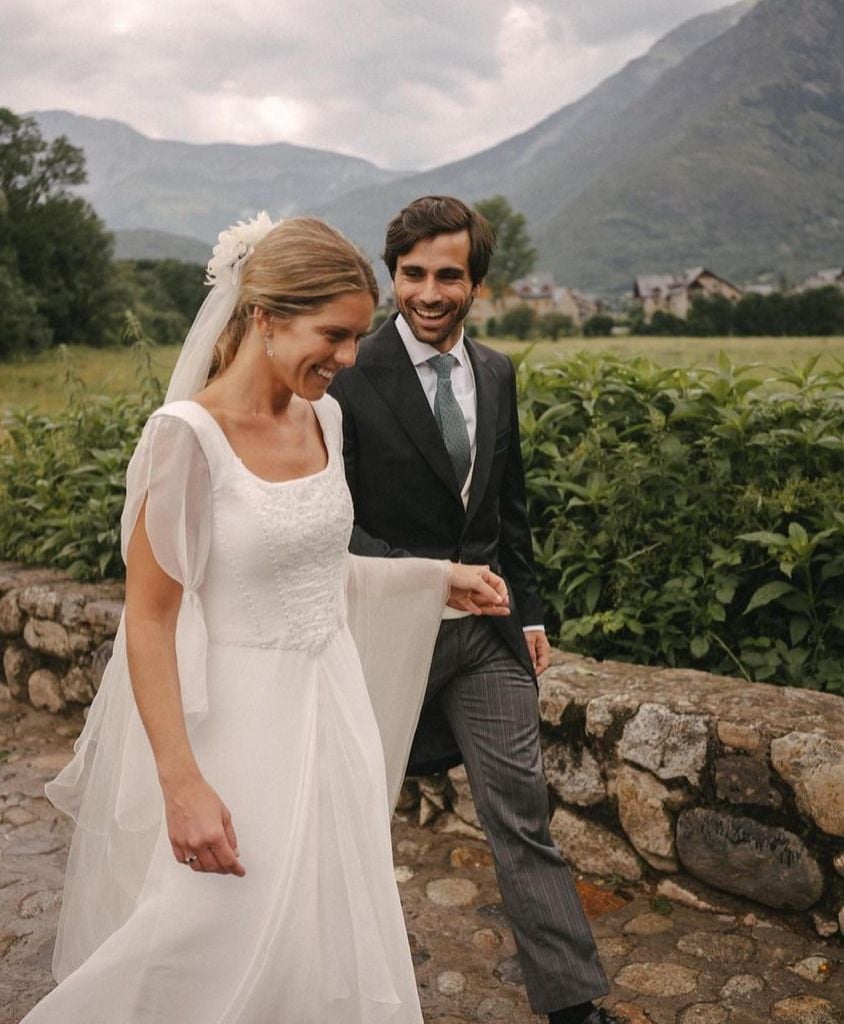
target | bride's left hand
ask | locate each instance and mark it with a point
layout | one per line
(478, 590)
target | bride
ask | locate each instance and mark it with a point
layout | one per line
(233, 785)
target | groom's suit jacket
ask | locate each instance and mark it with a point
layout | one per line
(407, 500)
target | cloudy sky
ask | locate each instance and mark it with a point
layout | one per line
(404, 83)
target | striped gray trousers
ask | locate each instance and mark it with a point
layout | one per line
(490, 702)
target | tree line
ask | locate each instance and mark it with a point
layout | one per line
(59, 283)
(817, 312)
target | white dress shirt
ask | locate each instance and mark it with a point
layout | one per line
(463, 386)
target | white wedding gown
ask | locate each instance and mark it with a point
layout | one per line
(306, 754)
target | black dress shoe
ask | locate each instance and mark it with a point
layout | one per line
(597, 1015)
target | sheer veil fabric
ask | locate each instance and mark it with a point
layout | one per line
(110, 787)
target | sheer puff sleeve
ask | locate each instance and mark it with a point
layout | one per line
(110, 787)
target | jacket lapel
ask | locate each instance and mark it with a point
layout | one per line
(394, 377)
(485, 388)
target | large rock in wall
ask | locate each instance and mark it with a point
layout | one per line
(740, 785)
(55, 635)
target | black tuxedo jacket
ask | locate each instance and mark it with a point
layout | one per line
(406, 497)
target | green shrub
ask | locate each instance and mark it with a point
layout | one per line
(599, 325)
(517, 321)
(690, 517)
(62, 479)
(553, 325)
(682, 517)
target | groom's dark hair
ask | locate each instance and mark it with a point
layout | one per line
(440, 215)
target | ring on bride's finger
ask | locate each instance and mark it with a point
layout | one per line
(191, 859)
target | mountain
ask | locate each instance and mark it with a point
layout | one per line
(721, 146)
(194, 190)
(142, 244)
(732, 158)
(544, 168)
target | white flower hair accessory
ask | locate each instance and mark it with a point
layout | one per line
(234, 247)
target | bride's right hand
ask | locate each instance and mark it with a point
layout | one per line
(478, 590)
(200, 827)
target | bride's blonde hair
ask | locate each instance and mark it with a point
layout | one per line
(299, 266)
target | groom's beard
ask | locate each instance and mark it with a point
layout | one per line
(445, 329)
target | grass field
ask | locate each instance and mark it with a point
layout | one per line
(41, 383)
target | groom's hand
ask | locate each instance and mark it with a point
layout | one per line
(538, 648)
(478, 590)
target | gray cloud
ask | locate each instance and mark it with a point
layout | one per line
(402, 85)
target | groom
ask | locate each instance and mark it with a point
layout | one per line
(431, 444)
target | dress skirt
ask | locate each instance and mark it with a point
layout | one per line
(314, 933)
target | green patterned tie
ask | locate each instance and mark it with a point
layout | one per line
(449, 417)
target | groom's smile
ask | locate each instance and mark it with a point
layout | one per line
(434, 290)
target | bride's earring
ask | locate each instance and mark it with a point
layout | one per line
(268, 344)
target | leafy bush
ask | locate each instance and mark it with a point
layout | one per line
(518, 321)
(685, 517)
(62, 479)
(691, 517)
(599, 325)
(552, 325)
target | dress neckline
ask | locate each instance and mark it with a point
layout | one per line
(260, 479)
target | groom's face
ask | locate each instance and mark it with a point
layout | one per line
(434, 290)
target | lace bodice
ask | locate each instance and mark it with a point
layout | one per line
(274, 571)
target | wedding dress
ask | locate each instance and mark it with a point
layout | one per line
(305, 747)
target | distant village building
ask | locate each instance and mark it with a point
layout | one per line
(541, 293)
(537, 291)
(674, 293)
(823, 279)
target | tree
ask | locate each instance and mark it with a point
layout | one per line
(514, 254)
(599, 325)
(552, 325)
(518, 321)
(710, 316)
(53, 240)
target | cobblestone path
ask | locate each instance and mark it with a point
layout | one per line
(676, 953)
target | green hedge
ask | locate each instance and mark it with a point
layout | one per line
(691, 517)
(62, 478)
(685, 517)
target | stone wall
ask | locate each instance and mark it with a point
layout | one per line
(740, 785)
(55, 635)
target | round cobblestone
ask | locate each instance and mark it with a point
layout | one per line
(451, 892)
(651, 979)
(615, 947)
(18, 816)
(816, 969)
(741, 986)
(470, 857)
(703, 1013)
(494, 1008)
(451, 983)
(807, 1010)
(39, 903)
(649, 924)
(403, 873)
(721, 949)
(486, 940)
(509, 971)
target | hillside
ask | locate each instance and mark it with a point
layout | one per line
(140, 244)
(721, 146)
(732, 159)
(193, 190)
(542, 169)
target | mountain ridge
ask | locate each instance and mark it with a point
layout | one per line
(720, 145)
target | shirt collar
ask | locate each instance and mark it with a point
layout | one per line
(419, 352)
